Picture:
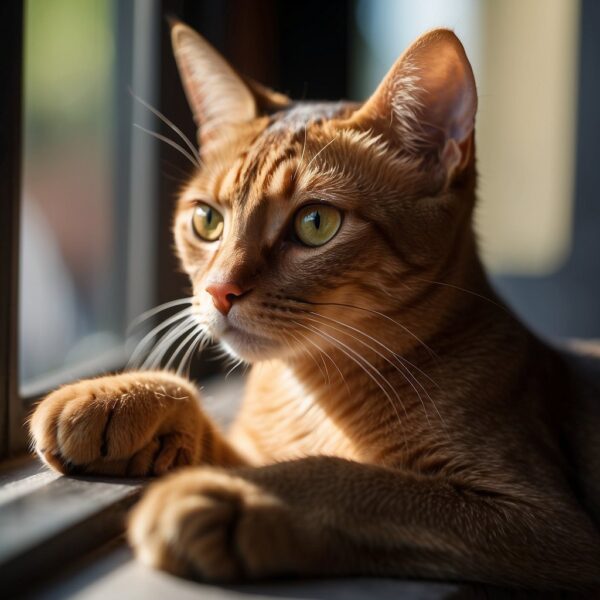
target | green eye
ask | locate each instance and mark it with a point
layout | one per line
(207, 222)
(315, 225)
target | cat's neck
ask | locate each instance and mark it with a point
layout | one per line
(455, 316)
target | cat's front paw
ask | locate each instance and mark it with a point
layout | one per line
(121, 425)
(209, 524)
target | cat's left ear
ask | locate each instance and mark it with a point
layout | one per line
(216, 93)
(427, 102)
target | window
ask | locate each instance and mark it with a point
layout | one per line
(69, 176)
(87, 191)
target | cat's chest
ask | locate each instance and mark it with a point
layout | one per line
(288, 419)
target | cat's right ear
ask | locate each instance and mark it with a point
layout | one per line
(216, 93)
(426, 104)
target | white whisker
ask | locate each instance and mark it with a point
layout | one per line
(357, 358)
(319, 152)
(374, 312)
(394, 354)
(169, 123)
(153, 311)
(171, 143)
(307, 351)
(188, 338)
(201, 341)
(330, 360)
(155, 357)
(139, 349)
(394, 365)
(466, 291)
(234, 367)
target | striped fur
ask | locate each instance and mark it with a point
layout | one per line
(398, 420)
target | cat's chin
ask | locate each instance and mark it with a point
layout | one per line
(248, 346)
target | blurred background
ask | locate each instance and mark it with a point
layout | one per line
(97, 192)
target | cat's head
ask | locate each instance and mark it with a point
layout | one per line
(306, 222)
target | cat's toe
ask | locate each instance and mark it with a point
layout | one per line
(68, 427)
(204, 524)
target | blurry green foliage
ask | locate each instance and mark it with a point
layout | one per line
(69, 63)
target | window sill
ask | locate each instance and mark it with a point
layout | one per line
(113, 573)
(48, 521)
(61, 537)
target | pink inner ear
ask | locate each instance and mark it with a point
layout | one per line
(446, 89)
(429, 97)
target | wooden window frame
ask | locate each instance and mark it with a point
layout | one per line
(11, 53)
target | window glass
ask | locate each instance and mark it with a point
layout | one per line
(524, 55)
(70, 265)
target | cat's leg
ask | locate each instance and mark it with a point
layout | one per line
(327, 516)
(132, 424)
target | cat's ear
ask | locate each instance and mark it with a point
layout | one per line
(267, 100)
(217, 95)
(427, 101)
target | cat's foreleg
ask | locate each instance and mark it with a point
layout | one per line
(327, 516)
(132, 424)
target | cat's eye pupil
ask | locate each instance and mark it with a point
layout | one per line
(316, 219)
(209, 216)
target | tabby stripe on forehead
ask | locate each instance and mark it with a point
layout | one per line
(288, 182)
(252, 170)
(248, 180)
(232, 176)
(218, 183)
(246, 173)
(238, 175)
(277, 162)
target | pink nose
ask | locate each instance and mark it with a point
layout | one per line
(223, 295)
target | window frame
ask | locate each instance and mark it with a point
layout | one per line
(11, 56)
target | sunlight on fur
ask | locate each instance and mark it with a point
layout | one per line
(398, 419)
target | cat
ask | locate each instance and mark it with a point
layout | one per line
(398, 420)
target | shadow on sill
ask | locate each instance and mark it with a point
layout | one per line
(112, 573)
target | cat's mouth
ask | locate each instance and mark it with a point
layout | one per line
(246, 345)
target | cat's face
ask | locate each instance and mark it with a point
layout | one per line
(308, 221)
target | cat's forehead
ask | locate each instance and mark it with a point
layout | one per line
(301, 114)
(262, 159)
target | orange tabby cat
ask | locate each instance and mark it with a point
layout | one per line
(394, 423)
